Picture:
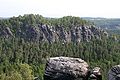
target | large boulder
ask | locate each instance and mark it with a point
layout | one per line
(114, 73)
(65, 68)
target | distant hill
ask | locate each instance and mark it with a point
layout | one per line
(1, 18)
(93, 18)
(4, 18)
(110, 24)
(105, 23)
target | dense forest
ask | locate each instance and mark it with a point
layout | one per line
(21, 59)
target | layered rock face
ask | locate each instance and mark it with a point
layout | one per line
(114, 73)
(66, 68)
(51, 34)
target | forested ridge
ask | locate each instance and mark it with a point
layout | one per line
(112, 25)
(22, 59)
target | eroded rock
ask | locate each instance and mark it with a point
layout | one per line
(114, 73)
(46, 33)
(96, 74)
(67, 68)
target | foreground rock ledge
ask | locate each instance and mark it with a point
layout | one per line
(66, 68)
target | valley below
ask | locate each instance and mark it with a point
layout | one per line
(28, 41)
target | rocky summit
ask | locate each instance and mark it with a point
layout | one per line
(42, 32)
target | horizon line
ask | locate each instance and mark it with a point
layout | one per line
(61, 16)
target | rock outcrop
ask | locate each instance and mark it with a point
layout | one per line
(6, 32)
(51, 34)
(114, 73)
(66, 68)
(96, 74)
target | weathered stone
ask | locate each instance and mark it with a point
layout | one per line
(66, 68)
(114, 73)
(62, 68)
(96, 74)
(42, 32)
(78, 35)
(8, 31)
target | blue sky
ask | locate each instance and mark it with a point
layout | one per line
(60, 8)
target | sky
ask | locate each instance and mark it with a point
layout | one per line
(60, 8)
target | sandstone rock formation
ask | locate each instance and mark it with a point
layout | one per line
(6, 32)
(66, 68)
(114, 73)
(42, 32)
(96, 74)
